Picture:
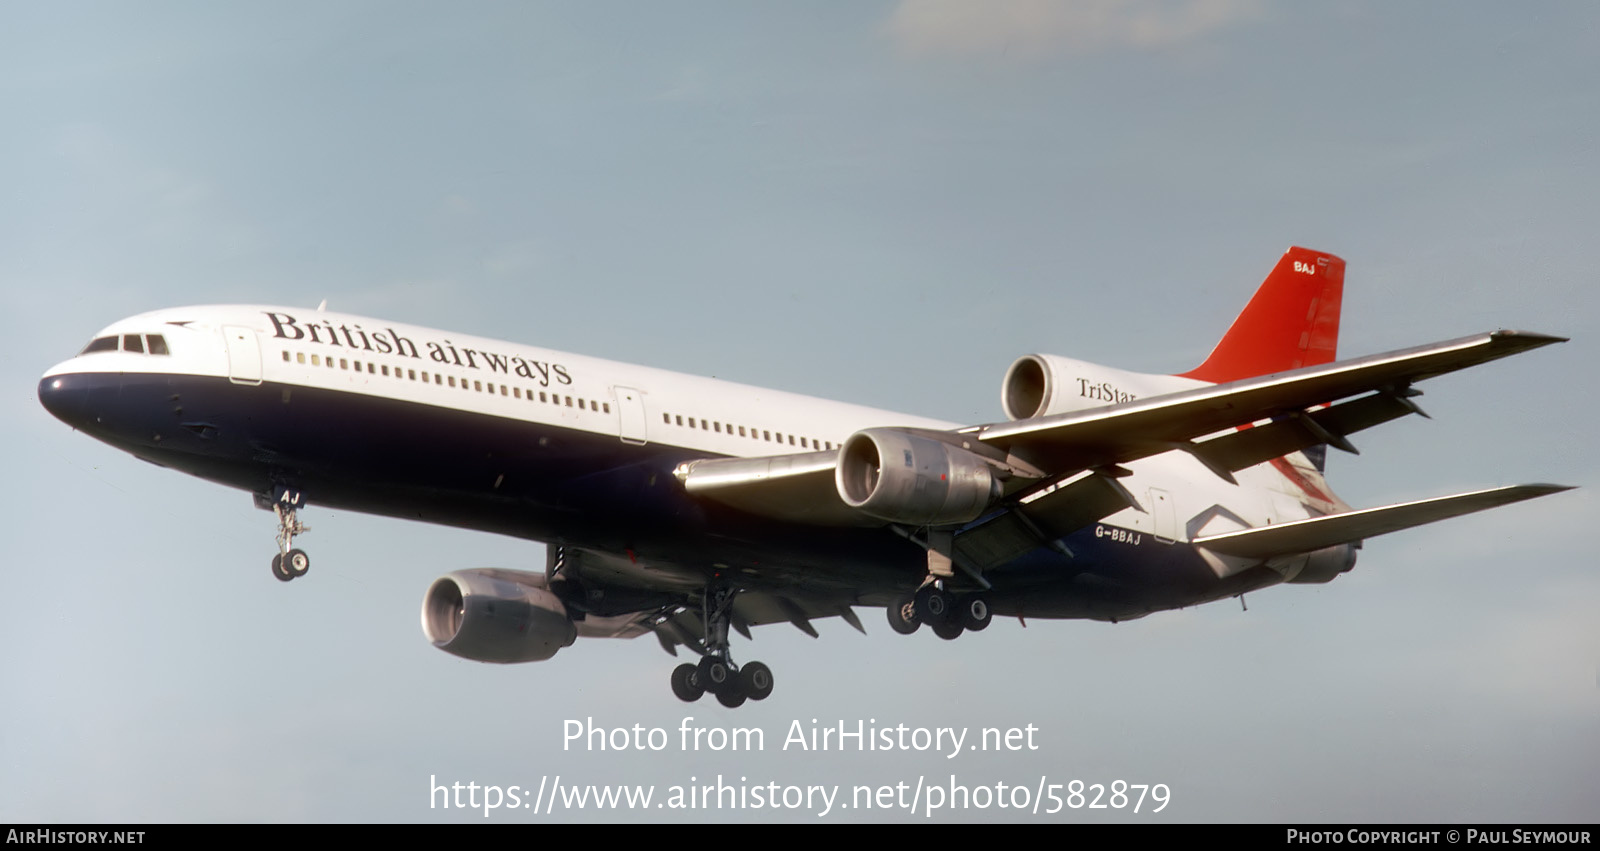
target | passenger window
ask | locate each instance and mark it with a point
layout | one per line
(299, 357)
(316, 360)
(802, 443)
(385, 369)
(503, 390)
(413, 374)
(791, 440)
(666, 418)
(606, 406)
(344, 363)
(132, 343)
(766, 435)
(157, 343)
(680, 419)
(452, 381)
(741, 431)
(516, 392)
(717, 427)
(478, 386)
(285, 356)
(569, 401)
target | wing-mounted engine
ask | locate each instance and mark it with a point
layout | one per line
(496, 616)
(1040, 385)
(903, 477)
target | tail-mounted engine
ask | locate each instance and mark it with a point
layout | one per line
(1041, 385)
(905, 478)
(496, 616)
(1030, 386)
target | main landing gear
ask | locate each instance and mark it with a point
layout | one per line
(946, 613)
(289, 563)
(716, 672)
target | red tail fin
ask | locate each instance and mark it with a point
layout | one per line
(1292, 321)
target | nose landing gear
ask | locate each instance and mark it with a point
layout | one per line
(289, 563)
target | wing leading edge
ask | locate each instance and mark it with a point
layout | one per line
(1367, 391)
(1133, 430)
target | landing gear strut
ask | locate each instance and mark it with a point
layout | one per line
(289, 563)
(716, 672)
(948, 614)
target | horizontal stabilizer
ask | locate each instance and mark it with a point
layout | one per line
(1304, 536)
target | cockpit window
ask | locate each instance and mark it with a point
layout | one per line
(138, 344)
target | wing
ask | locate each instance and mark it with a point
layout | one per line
(1133, 430)
(798, 488)
(1059, 471)
(751, 608)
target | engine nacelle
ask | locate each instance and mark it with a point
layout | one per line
(1030, 386)
(1323, 565)
(904, 478)
(1040, 385)
(496, 616)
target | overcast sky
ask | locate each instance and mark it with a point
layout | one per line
(879, 202)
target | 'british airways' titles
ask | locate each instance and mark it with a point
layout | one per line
(391, 342)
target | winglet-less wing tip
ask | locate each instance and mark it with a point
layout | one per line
(1536, 490)
(1528, 339)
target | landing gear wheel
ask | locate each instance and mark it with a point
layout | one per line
(975, 614)
(755, 680)
(296, 563)
(686, 682)
(934, 605)
(903, 616)
(713, 675)
(289, 563)
(948, 631)
(715, 672)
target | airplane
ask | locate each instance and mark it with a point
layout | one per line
(685, 506)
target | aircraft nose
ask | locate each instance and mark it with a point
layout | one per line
(65, 398)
